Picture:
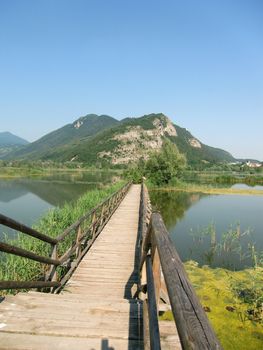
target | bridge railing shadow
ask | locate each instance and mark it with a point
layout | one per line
(105, 345)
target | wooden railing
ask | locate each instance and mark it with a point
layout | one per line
(160, 257)
(80, 236)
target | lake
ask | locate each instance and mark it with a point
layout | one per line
(215, 230)
(247, 187)
(27, 199)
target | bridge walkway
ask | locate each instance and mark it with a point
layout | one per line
(97, 308)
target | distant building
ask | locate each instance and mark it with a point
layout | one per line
(253, 164)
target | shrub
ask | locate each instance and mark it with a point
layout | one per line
(165, 165)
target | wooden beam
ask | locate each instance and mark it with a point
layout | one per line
(7, 248)
(6, 221)
(193, 326)
(27, 284)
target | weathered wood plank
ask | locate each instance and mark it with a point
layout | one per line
(31, 341)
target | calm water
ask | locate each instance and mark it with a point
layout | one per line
(26, 200)
(246, 187)
(203, 226)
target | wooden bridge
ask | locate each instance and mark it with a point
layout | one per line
(120, 271)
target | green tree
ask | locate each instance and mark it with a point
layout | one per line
(165, 165)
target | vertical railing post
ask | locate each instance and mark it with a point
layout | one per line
(102, 215)
(152, 308)
(156, 265)
(78, 236)
(109, 206)
(146, 330)
(93, 225)
(52, 272)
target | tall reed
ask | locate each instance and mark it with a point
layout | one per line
(53, 223)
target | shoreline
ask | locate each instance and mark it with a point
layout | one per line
(208, 190)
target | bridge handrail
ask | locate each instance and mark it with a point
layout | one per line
(159, 252)
(86, 230)
(11, 223)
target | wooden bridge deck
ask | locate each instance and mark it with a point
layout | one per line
(96, 309)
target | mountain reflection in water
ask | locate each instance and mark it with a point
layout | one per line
(27, 199)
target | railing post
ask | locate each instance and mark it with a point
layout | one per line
(78, 236)
(52, 274)
(146, 333)
(102, 215)
(156, 265)
(109, 206)
(152, 308)
(93, 225)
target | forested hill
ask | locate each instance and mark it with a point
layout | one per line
(66, 137)
(8, 139)
(104, 140)
(10, 142)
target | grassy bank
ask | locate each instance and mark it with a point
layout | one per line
(229, 298)
(209, 189)
(55, 222)
(31, 172)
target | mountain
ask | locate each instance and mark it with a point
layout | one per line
(68, 135)
(196, 151)
(8, 139)
(135, 138)
(10, 143)
(101, 140)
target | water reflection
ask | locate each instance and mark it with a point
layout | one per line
(218, 230)
(173, 205)
(54, 193)
(26, 199)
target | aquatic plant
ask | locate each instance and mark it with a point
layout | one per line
(249, 293)
(233, 242)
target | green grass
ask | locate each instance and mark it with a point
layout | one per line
(209, 189)
(215, 289)
(53, 223)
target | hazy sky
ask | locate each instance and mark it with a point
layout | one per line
(198, 61)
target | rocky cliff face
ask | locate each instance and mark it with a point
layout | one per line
(137, 143)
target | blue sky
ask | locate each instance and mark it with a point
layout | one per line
(198, 61)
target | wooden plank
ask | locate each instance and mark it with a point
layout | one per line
(37, 297)
(89, 315)
(169, 337)
(71, 306)
(31, 341)
(102, 327)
